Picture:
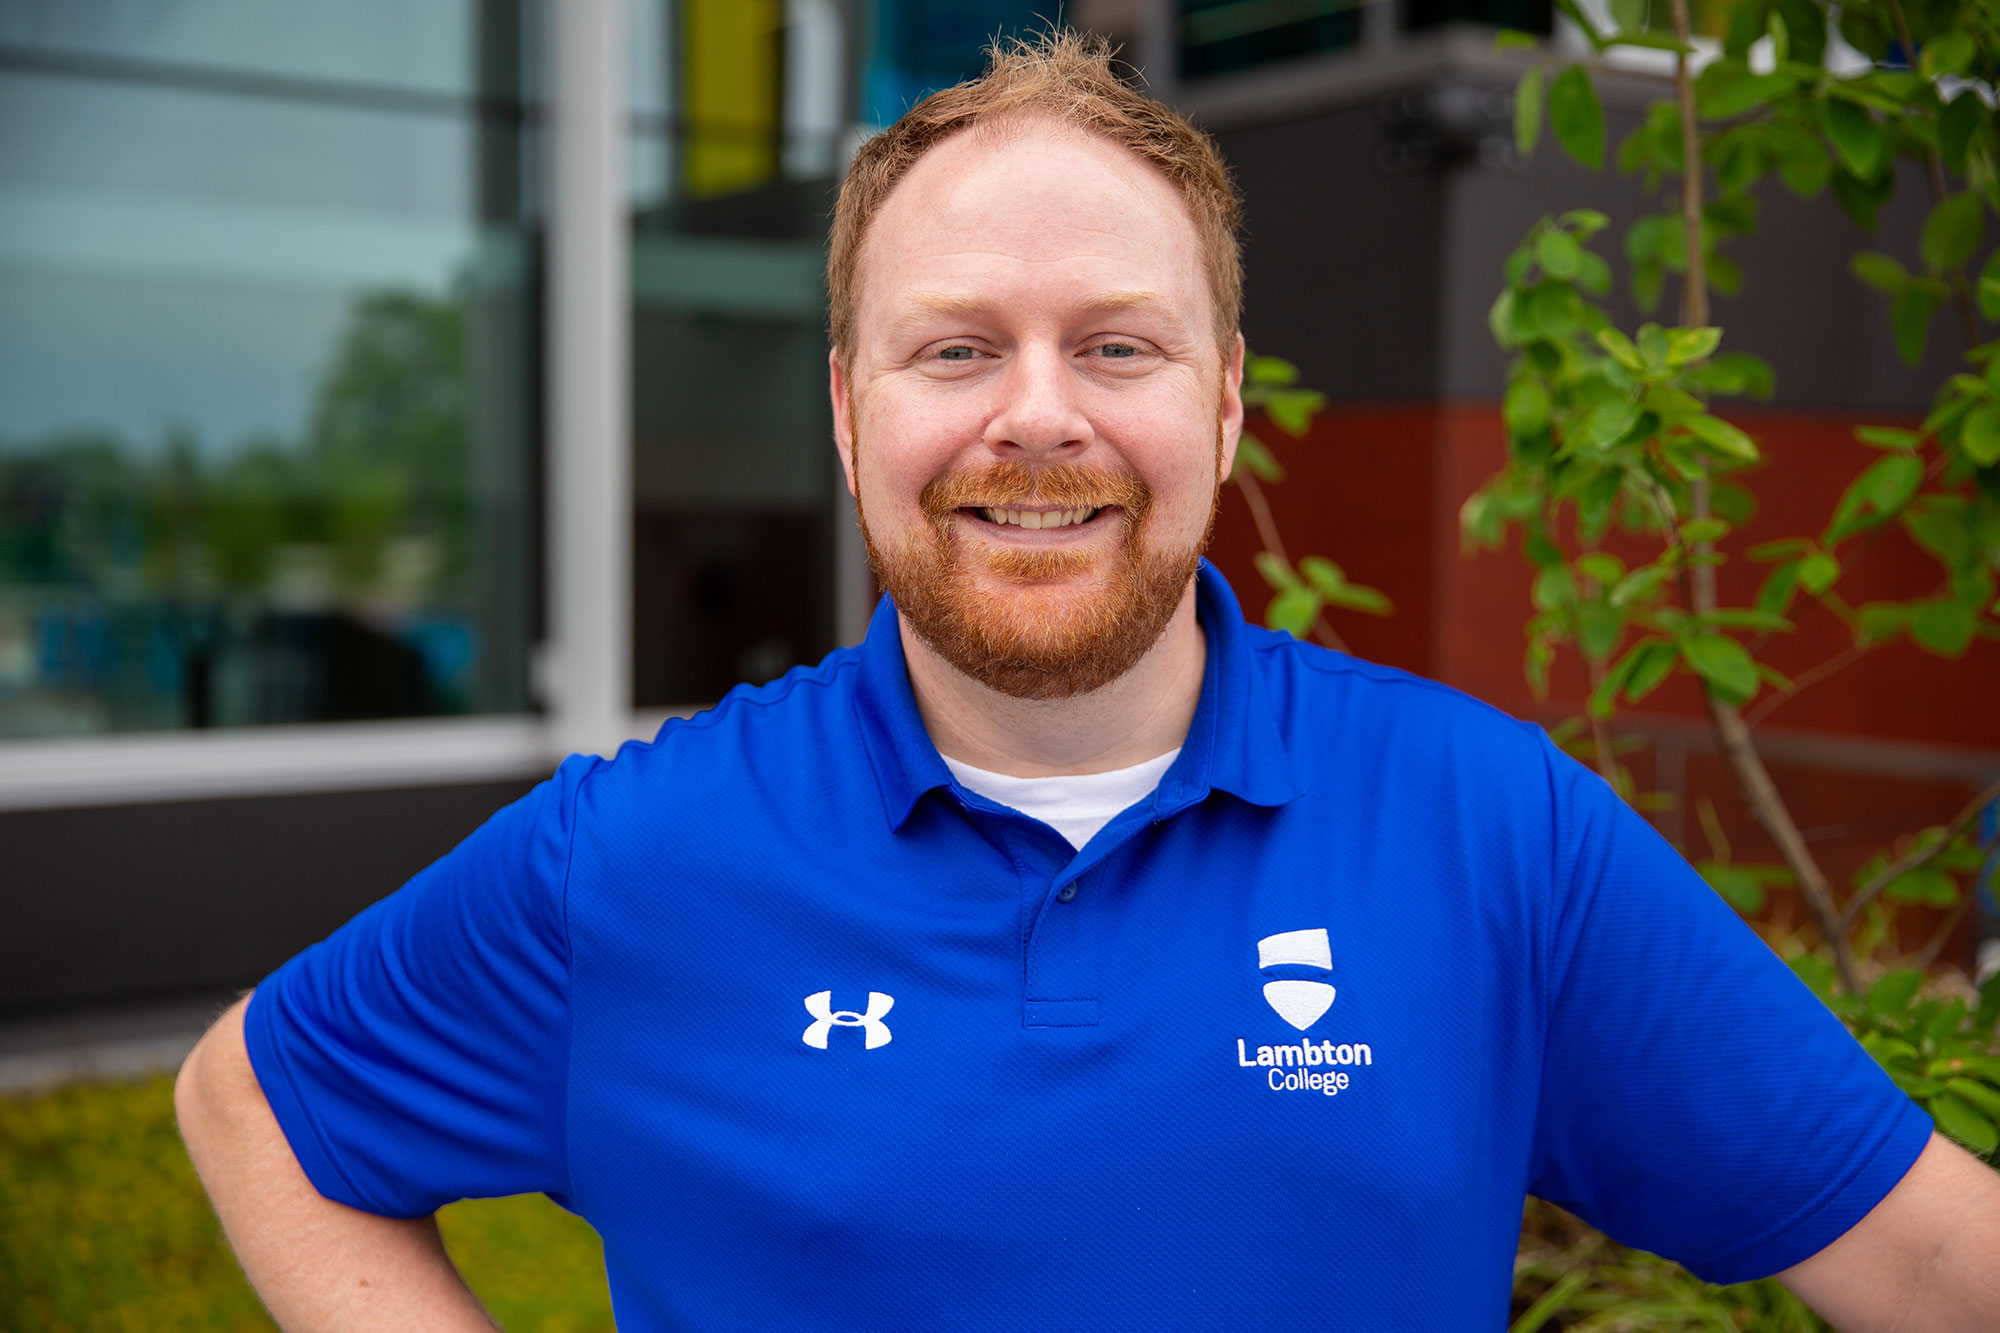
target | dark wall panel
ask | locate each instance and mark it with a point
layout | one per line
(188, 897)
(1340, 257)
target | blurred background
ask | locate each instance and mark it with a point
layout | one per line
(397, 396)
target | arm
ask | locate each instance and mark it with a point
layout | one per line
(1922, 1259)
(317, 1264)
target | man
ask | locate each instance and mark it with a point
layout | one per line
(1070, 954)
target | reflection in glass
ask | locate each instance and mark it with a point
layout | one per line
(265, 369)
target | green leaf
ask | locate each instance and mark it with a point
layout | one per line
(1598, 626)
(1276, 572)
(1863, 145)
(1606, 425)
(1882, 272)
(1323, 574)
(1656, 659)
(1360, 597)
(1528, 112)
(1946, 628)
(1818, 572)
(1892, 992)
(1726, 89)
(1879, 622)
(1807, 29)
(1887, 437)
(1979, 437)
(1526, 407)
(1593, 274)
(1723, 438)
(1270, 371)
(1738, 374)
(1724, 663)
(1950, 52)
(1742, 889)
(1910, 316)
(1926, 886)
(1508, 39)
(1687, 345)
(1746, 26)
(1672, 404)
(1861, 198)
(1943, 533)
(1500, 320)
(1981, 1096)
(1956, 124)
(1561, 257)
(1636, 585)
(1254, 458)
(1601, 566)
(1584, 222)
(1291, 410)
(1576, 117)
(1620, 346)
(1293, 611)
(1704, 530)
(1959, 1121)
(1953, 231)
(1890, 482)
(1776, 594)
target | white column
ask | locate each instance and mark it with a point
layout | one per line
(589, 659)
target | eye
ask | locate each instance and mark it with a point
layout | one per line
(957, 352)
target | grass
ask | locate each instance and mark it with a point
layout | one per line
(103, 1226)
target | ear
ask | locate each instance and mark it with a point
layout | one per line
(1232, 406)
(843, 418)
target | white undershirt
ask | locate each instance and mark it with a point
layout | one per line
(1077, 805)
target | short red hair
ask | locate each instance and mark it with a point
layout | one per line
(1066, 78)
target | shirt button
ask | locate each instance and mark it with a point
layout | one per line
(1065, 893)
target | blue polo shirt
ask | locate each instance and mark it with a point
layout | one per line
(818, 1039)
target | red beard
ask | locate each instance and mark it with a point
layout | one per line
(1027, 640)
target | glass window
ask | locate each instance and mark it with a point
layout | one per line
(267, 363)
(738, 112)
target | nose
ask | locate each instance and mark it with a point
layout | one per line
(1040, 414)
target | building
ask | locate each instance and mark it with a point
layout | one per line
(395, 398)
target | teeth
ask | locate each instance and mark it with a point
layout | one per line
(1029, 518)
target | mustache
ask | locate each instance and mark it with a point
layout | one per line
(1013, 485)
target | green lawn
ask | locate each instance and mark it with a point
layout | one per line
(103, 1226)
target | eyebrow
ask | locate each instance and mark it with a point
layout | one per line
(930, 305)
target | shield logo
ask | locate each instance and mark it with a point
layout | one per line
(1300, 1003)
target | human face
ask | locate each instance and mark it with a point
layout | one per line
(1034, 346)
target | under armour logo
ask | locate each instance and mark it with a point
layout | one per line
(1299, 1003)
(825, 1017)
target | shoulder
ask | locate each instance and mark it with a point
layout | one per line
(1359, 705)
(800, 724)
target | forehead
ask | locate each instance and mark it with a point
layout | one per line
(1034, 213)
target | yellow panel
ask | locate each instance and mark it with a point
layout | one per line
(732, 62)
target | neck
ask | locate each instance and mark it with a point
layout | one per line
(1141, 715)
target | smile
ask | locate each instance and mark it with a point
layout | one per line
(1033, 518)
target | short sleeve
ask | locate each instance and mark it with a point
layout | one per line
(419, 1055)
(1697, 1100)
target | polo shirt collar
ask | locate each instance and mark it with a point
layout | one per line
(1233, 745)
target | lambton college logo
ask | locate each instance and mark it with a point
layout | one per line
(826, 1018)
(1309, 1065)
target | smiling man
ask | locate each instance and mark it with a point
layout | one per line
(1070, 954)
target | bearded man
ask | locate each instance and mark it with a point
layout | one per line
(1070, 954)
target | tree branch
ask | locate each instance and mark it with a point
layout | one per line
(1961, 290)
(1267, 533)
(1945, 930)
(1732, 735)
(1810, 676)
(1918, 858)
